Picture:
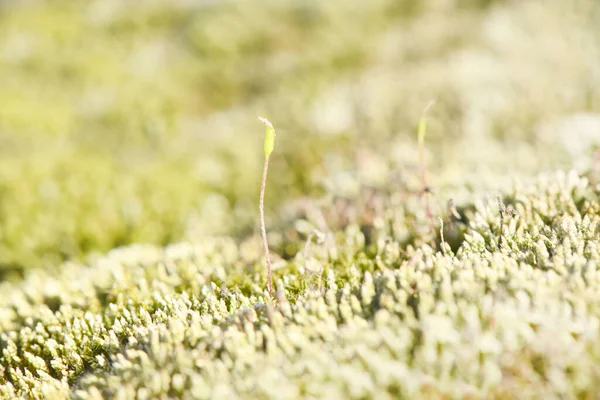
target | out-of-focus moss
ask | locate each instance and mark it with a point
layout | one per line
(82, 203)
(153, 111)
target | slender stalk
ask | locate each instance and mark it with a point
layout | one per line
(424, 176)
(262, 225)
(425, 190)
(269, 147)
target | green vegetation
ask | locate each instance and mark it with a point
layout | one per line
(192, 320)
(122, 127)
(131, 263)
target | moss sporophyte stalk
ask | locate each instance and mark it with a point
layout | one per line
(269, 147)
(421, 130)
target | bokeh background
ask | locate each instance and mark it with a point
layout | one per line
(135, 122)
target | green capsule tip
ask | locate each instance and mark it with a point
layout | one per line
(269, 136)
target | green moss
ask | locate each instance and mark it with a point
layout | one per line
(193, 316)
(141, 109)
(130, 261)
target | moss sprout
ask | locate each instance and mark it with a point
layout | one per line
(269, 146)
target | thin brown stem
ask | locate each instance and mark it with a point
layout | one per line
(424, 177)
(262, 225)
(425, 189)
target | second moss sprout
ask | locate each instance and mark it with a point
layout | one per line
(269, 146)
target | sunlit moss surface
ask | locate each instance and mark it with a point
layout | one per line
(130, 164)
(492, 320)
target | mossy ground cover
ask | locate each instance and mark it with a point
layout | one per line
(130, 163)
(384, 320)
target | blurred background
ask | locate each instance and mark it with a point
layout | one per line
(125, 122)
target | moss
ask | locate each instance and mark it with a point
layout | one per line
(129, 256)
(192, 316)
(101, 108)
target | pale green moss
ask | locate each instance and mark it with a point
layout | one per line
(120, 127)
(148, 322)
(141, 120)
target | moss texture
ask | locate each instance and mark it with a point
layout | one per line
(130, 161)
(386, 320)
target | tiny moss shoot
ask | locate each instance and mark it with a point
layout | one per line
(421, 130)
(269, 147)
